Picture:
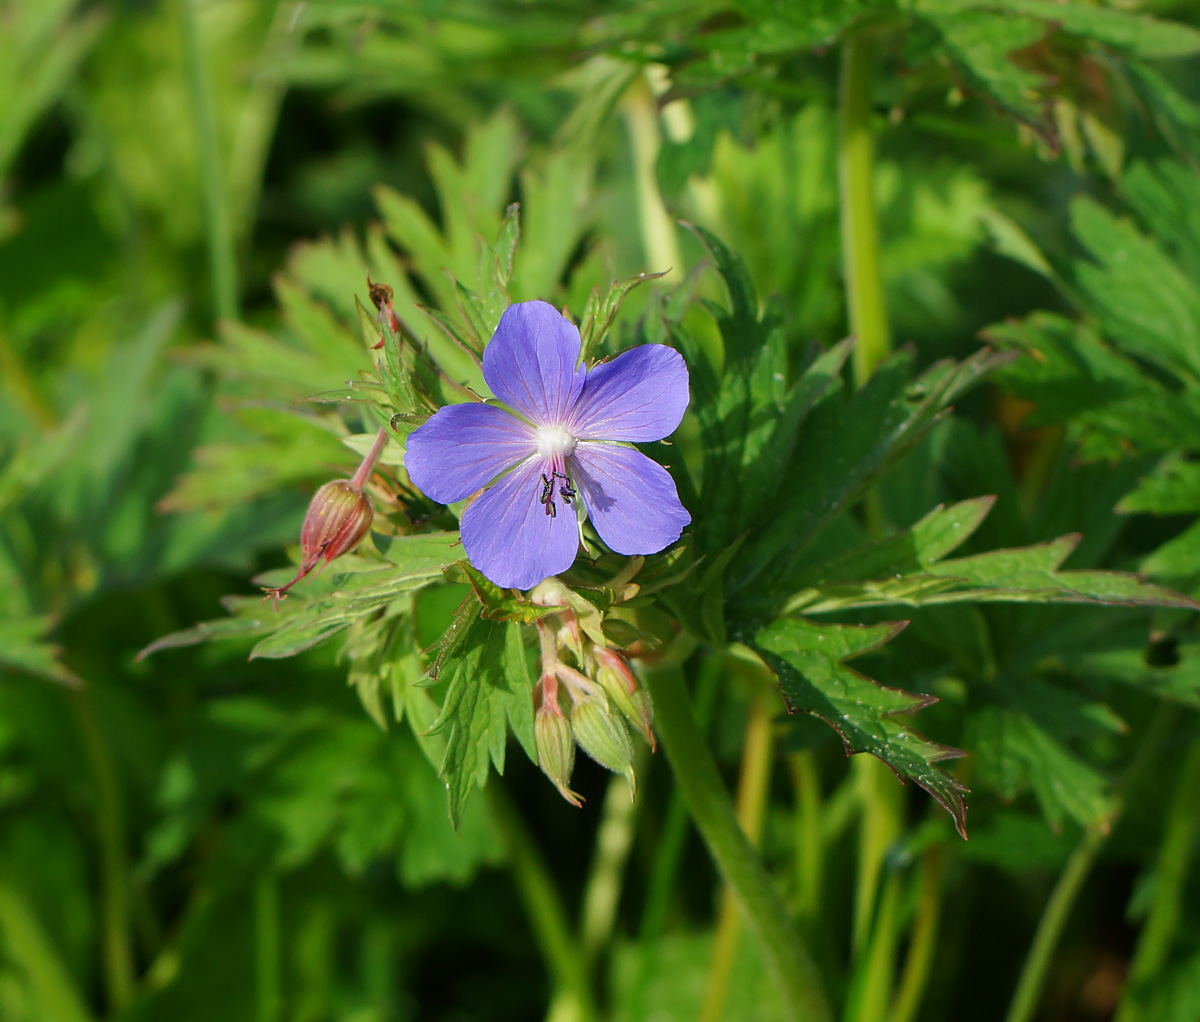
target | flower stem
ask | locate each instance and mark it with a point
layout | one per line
(751, 804)
(368, 463)
(545, 910)
(700, 784)
(1170, 872)
(222, 257)
(860, 228)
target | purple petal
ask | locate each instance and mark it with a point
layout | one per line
(464, 447)
(640, 395)
(630, 499)
(530, 362)
(510, 538)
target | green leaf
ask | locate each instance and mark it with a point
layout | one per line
(489, 688)
(1173, 488)
(1014, 754)
(810, 660)
(23, 648)
(1138, 33)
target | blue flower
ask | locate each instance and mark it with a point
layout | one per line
(562, 443)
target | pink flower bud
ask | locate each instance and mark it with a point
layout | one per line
(338, 517)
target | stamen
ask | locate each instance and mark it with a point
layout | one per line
(566, 491)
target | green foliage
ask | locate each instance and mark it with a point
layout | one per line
(220, 830)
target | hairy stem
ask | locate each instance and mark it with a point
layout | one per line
(561, 952)
(700, 784)
(222, 257)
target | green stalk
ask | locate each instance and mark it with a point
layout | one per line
(809, 844)
(1170, 873)
(860, 228)
(918, 964)
(669, 851)
(700, 784)
(874, 973)
(1070, 881)
(119, 976)
(222, 257)
(27, 945)
(562, 954)
(752, 793)
(614, 838)
(659, 243)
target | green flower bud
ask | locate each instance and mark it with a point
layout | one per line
(604, 736)
(555, 748)
(621, 687)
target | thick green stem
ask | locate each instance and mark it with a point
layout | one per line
(702, 789)
(860, 229)
(222, 256)
(1170, 872)
(119, 975)
(563, 956)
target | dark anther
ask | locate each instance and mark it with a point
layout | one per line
(547, 496)
(567, 490)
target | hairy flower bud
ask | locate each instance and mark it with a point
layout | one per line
(555, 748)
(604, 736)
(338, 517)
(621, 687)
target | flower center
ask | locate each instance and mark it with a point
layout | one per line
(554, 442)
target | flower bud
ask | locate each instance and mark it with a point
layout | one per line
(621, 687)
(338, 517)
(604, 736)
(555, 748)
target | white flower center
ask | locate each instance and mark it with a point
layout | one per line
(554, 442)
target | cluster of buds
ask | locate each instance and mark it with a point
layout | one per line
(586, 694)
(338, 517)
